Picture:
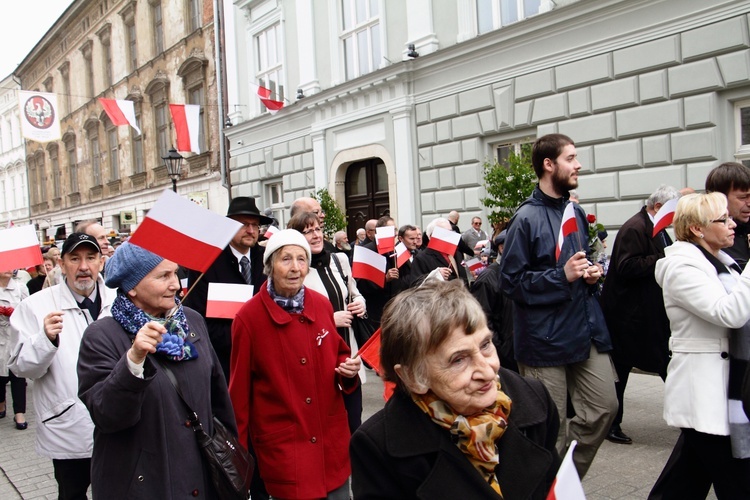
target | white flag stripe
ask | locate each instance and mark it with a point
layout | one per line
(665, 210)
(230, 292)
(385, 232)
(186, 217)
(401, 248)
(441, 233)
(193, 117)
(128, 110)
(369, 257)
(18, 237)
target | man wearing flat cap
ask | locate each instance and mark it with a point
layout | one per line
(241, 262)
(47, 328)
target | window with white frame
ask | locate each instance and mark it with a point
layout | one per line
(504, 150)
(55, 164)
(137, 142)
(269, 61)
(493, 14)
(275, 200)
(112, 151)
(95, 155)
(360, 36)
(193, 17)
(742, 125)
(70, 149)
(157, 24)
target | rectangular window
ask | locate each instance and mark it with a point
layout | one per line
(194, 15)
(360, 36)
(41, 177)
(137, 142)
(107, 54)
(96, 165)
(89, 78)
(132, 47)
(158, 28)
(33, 194)
(196, 96)
(54, 161)
(493, 14)
(67, 104)
(162, 130)
(70, 148)
(270, 69)
(742, 125)
(275, 201)
(114, 163)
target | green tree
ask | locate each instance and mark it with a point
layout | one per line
(335, 219)
(508, 183)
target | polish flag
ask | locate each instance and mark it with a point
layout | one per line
(402, 254)
(184, 286)
(444, 240)
(187, 122)
(474, 264)
(664, 216)
(271, 105)
(19, 248)
(567, 483)
(271, 231)
(369, 265)
(226, 299)
(120, 112)
(385, 238)
(370, 351)
(568, 226)
(184, 232)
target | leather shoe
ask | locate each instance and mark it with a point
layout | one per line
(616, 435)
(20, 425)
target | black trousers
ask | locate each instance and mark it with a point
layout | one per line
(623, 372)
(17, 390)
(73, 478)
(699, 460)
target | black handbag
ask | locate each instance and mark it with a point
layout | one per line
(229, 464)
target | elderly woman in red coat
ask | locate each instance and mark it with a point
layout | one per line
(288, 370)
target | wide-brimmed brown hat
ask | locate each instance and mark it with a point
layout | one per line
(244, 205)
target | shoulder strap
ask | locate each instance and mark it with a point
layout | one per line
(337, 262)
(194, 420)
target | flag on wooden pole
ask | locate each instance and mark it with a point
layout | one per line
(385, 239)
(444, 240)
(369, 265)
(567, 483)
(19, 248)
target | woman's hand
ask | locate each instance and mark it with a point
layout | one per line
(357, 308)
(343, 319)
(349, 368)
(145, 341)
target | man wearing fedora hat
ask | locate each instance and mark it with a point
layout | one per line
(241, 262)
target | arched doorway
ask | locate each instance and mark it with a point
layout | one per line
(366, 193)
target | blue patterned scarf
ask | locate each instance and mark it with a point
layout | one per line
(174, 344)
(293, 305)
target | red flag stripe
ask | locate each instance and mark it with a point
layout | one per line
(114, 112)
(170, 244)
(20, 258)
(370, 351)
(570, 226)
(442, 246)
(222, 309)
(368, 272)
(181, 126)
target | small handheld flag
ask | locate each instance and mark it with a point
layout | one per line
(444, 240)
(567, 483)
(369, 265)
(385, 239)
(19, 248)
(569, 225)
(664, 216)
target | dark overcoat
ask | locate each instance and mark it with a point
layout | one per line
(142, 447)
(400, 453)
(631, 299)
(428, 260)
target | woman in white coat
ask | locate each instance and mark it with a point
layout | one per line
(708, 305)
(12, 292)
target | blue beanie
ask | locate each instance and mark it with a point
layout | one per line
(128, 266)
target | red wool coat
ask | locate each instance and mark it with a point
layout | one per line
(287, 397)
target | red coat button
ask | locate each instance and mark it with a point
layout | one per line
(194, 493)
(313, 439)
(303, 361)
(308, 400)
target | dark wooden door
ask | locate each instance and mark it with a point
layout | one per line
(366, 194)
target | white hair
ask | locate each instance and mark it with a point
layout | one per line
(440, 221)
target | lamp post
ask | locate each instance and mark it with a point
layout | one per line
(173, 162)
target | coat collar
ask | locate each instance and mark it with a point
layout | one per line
(280, 316)
(65, 300)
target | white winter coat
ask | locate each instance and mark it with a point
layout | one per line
(10, 296)
(64, 430)
(701, 313)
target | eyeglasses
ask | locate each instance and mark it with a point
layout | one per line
(252, 225)
(318, 212)
(725, 220)
(312, 230)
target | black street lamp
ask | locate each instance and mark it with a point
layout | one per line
(173, 162)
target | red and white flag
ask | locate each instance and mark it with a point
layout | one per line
(187, 123)
(184, 286)
(120, 112)
(473, 264)
(567, 483)
(444, 240)
(10, 224)
(664, 216)
(19, 248)
(270, 231)
(569, 225)
(226, 299)
(272, 105)
(369, 265)
(385, 238)
(402, 254)
(184, 232)
(40, 120)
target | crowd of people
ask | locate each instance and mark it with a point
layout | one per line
(496, 367)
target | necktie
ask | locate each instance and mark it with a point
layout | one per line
(89, 304)
(245, 267)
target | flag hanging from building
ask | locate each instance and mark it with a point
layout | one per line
(183, 232)
(569, 225)
(369, 265)
(120, 112)
(187, 123)
(271, 105)
(444, 240)
(385, 239)
(40, 120)
(19, 248)
(664, 216)
(226, 299)
(567, 483)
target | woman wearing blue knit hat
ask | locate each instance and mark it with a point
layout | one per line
(142, 446)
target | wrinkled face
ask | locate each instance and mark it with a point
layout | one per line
(370, 232)
(738, 202)
(98, 232)
(360, 235)
(247, 236)
(462, 371)
(48, 266)
(81, 268)
(476, 223)
(410, 239)
(290, 267)
(719, 233)
(155, 293)
(314, 236)
(419, 237)
(565, 170)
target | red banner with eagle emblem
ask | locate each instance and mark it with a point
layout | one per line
(40, 120)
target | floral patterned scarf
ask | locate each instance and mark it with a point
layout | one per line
(475, 435)
(293, 305)
(174, 344)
